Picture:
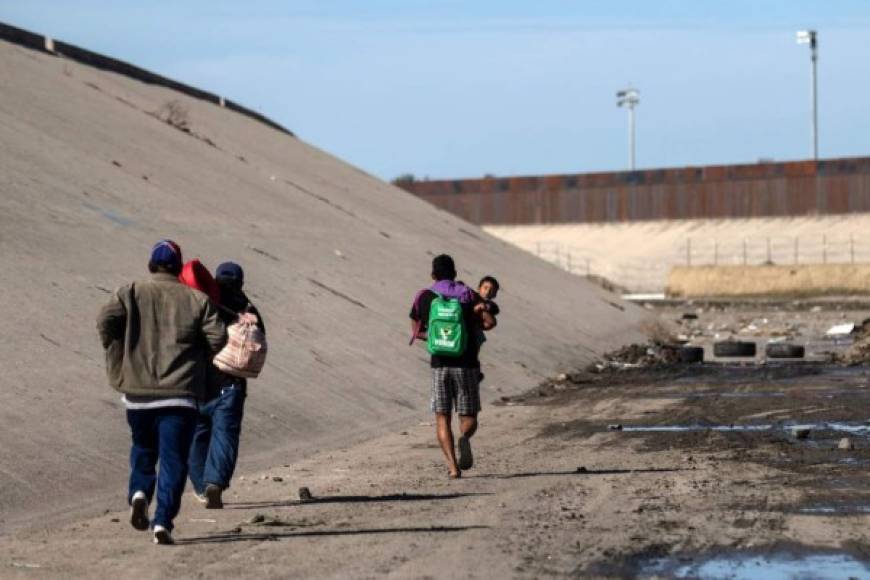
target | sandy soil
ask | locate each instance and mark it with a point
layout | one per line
(554, 491)
(639, 255)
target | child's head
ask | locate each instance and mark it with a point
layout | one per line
(488, 287)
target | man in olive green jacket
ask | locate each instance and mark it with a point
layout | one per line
(159, 336)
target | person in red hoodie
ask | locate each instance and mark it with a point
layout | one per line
(197, 276)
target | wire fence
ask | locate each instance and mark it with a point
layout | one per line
(634, 274)
(772, 250)
(649, 274)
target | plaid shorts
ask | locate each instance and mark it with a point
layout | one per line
(455, 386)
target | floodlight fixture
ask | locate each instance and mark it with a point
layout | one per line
(806, 37)
(629, 98)
(810, 37)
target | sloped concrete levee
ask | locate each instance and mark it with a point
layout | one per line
(91, 175)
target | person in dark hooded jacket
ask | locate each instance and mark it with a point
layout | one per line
(215, 446)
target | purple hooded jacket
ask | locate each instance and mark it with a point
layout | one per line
(447, 289)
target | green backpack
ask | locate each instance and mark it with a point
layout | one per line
(447, 334)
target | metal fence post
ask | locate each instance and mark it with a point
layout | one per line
(769, 256)
(688, 251)
(852, 248)
(715, 252)
(588, 269)
(796, 243)
(568, 265)
(744, 251)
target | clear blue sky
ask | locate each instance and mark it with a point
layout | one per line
(461, 88)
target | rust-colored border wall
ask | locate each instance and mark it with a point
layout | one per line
(798, 188)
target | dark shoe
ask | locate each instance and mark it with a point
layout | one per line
(213, 499)
(163, 536)
(139, 511)
(480, 377)
(466, 459)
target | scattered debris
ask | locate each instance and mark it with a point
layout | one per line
(305, 494)
(277, 479)
(801, 433)
(615, 427)
(256, 519)
(639, 355)
(841, 329)
(846, 444)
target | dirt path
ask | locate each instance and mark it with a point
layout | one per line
(554, 492)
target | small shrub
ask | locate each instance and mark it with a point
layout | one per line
(175, 114)
(657, 331)
(405, 178)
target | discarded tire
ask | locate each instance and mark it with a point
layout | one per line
(734, 348)
(784, 350)
(691, 354)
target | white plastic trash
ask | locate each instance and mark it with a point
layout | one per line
(841, 329)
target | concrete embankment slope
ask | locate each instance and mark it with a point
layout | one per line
(90, 177)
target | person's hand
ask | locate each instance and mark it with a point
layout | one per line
(481, 307)
(248, 318)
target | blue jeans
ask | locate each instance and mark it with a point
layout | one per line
(215, 445)
(162, 435)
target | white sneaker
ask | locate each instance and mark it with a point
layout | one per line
(200, 497)
(162, 536)
(139, 511)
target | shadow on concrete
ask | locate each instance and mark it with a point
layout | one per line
(352, 499)
(227, 537)
(578, 471)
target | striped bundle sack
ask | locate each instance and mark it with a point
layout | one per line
(245, 352)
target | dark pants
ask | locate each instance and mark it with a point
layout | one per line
(162, 435)
(215, 445)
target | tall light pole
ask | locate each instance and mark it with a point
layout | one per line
(809, 37)
(629, 98)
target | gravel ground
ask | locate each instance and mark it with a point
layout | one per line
(597, 474)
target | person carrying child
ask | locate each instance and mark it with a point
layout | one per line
(444, 315)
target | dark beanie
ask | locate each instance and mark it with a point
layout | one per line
(443, 268)
(167, 254)
(230, 272)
